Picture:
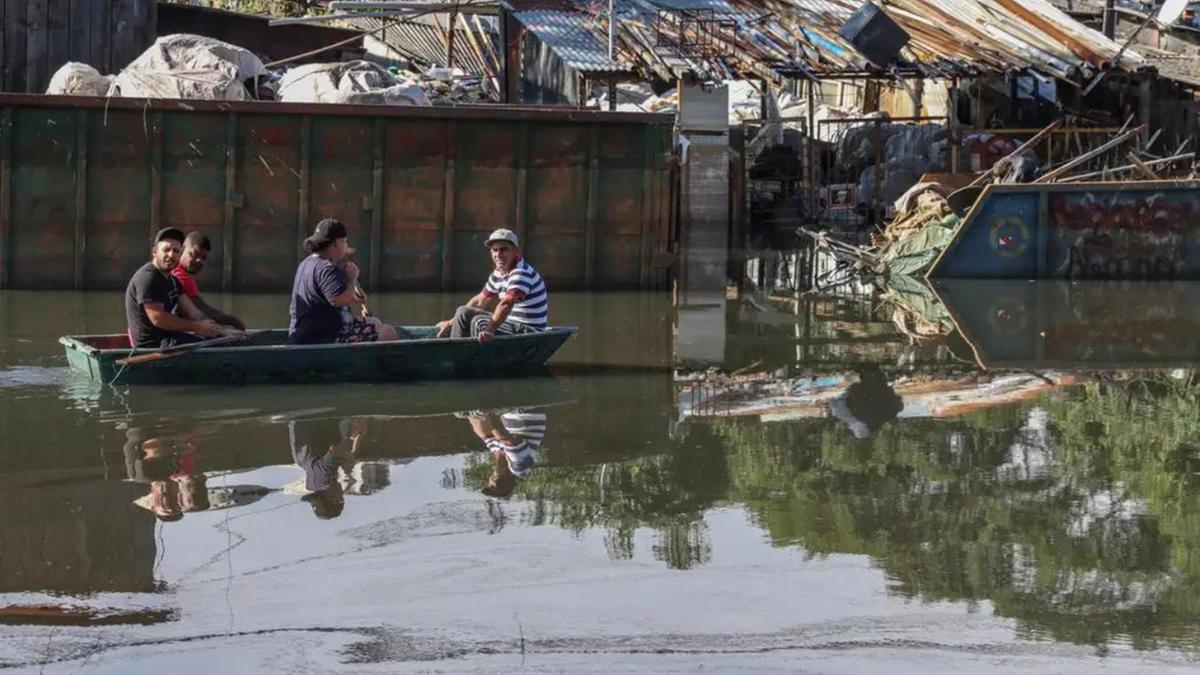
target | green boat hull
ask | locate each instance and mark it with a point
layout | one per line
(267, 357)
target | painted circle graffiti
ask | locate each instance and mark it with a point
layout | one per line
(1010, 237)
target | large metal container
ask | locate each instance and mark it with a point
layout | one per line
(85, 181)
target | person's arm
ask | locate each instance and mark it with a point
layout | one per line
(481, 300)
(164, 320)
(216, 314)
(190, 310)
(340, 287)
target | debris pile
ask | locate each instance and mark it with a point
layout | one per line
(359, 82)
(190, 67)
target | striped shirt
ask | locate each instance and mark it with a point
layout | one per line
(527, 430)
(525, 285)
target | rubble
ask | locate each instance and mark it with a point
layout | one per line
(359, 82)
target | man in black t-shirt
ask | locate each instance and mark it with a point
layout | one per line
(156, 312)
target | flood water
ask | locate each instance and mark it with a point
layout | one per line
(992, 477)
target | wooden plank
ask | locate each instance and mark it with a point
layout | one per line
(4, 30)
(6, 134)
(231, 137)
(521, 217)
(81, 164)
(122, 41)
(100, 28)
(58, 36)
(15, 14)
(304, 194)
(377, 200)
(79, 31)
(450, 157)
(593, 193)
(36, 47)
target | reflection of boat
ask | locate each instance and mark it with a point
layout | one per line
(1060, 324)
(175, 404)
(268, 357)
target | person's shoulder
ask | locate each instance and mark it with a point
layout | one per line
(146, 274)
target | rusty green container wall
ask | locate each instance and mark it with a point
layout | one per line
(84, 182)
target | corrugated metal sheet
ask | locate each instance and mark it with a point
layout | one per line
(420, 39)
(572, 37)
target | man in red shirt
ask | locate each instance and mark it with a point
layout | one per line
(196, 248)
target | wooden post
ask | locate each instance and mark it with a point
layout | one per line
(1145, 92)
(1110, 19)
(81, 161)
(36, 35)
(589, 241)
(227, 248)
(304, 194)
(376, 204)
(453, 26)
(450, 158)
(6, 171)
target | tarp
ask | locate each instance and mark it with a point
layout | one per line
(79, 79)
(350, 82)
(914, 253)
(190, 67)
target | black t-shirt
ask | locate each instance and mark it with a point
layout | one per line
(314, 320)
(149, 285)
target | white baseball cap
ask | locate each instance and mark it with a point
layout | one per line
(503, 234)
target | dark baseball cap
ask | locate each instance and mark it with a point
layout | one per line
(172, 233)
(327, 231)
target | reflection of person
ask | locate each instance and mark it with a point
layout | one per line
(321, 448)
(513, 438)
(867, 404)
(168, 465)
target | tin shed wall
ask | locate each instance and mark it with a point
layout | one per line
(83, 186)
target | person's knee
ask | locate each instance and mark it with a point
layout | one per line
(464, 312)
(387, 333)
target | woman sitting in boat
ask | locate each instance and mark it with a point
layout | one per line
(522, 303)
(324, 290)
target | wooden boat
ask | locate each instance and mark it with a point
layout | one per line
(268, 356)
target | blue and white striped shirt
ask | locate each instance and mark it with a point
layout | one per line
(525, 285)
(527, 431)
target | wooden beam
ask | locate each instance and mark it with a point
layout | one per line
(304, 194)
(36, 48)
(377, 199)
(593, 198)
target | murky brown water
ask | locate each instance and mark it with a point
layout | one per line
(831, 484)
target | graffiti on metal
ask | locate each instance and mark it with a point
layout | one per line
(1125, 235)
(1090, 231)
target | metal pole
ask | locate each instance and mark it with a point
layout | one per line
(610, 30)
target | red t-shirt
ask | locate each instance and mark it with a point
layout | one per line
(186, 283)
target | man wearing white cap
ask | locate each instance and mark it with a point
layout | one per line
(517, 292)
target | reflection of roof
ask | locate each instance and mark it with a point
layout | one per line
(569, 35)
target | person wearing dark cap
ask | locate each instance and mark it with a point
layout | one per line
(157, 313)
(323, 287)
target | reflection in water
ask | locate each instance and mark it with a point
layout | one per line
(860, 424)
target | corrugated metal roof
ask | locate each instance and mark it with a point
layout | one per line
(422, 40)
(717, 7)
(571, 37)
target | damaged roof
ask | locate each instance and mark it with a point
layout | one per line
(572, 37)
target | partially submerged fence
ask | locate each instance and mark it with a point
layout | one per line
(84, 182)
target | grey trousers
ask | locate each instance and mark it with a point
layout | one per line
(470, 322)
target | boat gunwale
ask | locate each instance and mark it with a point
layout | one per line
(76, 342)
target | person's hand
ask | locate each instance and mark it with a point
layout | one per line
(207, 329)
(444, 327)
(352, 271)
(485, 335)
